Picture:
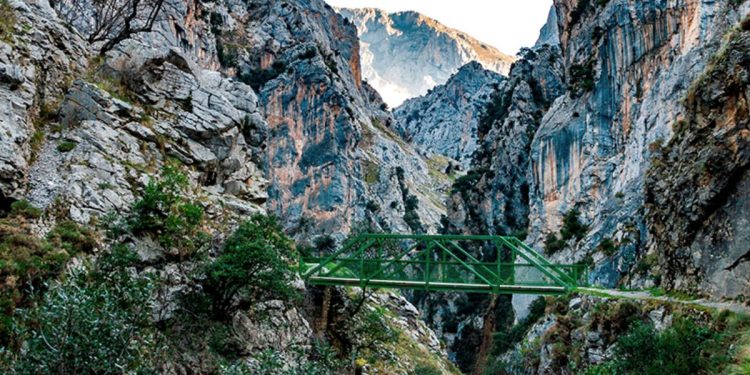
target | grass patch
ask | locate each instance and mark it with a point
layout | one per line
(7, 22)
(66, 146)
(371, 172)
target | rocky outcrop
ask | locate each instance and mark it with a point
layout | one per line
(331, 157)
(309, 141)
(592, 149)
(405, 54)
(698, 184)
(445, 120)
(549, 33)
(588, 145)
(36, 65)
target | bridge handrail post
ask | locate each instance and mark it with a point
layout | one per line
(428, 254)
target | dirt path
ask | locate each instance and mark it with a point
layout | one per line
(734, 307)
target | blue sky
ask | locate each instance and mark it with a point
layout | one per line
(506, 24)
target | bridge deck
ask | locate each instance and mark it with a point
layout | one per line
(439, 286)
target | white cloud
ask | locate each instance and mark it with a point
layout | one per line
(506, 24)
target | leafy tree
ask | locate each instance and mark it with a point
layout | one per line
(255, 259)
(96, 321)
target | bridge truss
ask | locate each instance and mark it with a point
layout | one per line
(442, 263)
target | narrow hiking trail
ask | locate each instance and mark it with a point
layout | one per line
(645, 295)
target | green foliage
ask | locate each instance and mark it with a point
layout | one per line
(254, 260)
(583, 8)
(426, 369)
(24, 209)
(411, 203)
(467, 182)
(684, 348)
(28, 262)
(66, 146)
(572, 228)
(371, 172)
(496, 109)
(7, 22)
(95, 322)
(411, 217)
(257, 78)
(582, 77)
(504, 341)
(227, 54)
(71, 237)
(553, 244)
(607, 247)
(309, 53)
(325, 244)
(321, 359)
(165, 214)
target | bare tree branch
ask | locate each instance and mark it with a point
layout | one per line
(109, 22)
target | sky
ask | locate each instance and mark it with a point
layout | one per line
(507, 25)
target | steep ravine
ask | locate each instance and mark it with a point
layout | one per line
(615, 171)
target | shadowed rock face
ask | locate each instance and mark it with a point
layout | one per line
(698, 184)
(627, 66)
(674, 212)
(445, 120)
(405, 54)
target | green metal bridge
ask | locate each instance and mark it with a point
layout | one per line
(442, 263)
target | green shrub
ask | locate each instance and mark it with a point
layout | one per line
(254, 260)
(552, 244)
(7, 22)
(582, 77)
(163, 213)
(504, 341)
(309, 53)
(66, 146)
(426, 369)
(607, 247)
(325, 244)
(684, 348)
(23, 208)
(28, 262)
(227, 54)
(71, 237)
(572, 226)
(257, 78)
(91, 323)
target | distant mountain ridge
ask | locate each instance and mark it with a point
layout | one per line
(445, 120)
(405, 54)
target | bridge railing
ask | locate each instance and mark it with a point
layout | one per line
(439, 263)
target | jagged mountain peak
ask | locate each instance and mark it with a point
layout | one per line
(406, 53)
(444, 121)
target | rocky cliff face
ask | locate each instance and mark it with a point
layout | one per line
(594, 118)
(697, 183)
(331, 157)
(592, 149)
(405, 54)
(260, 104)
(445, 120)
